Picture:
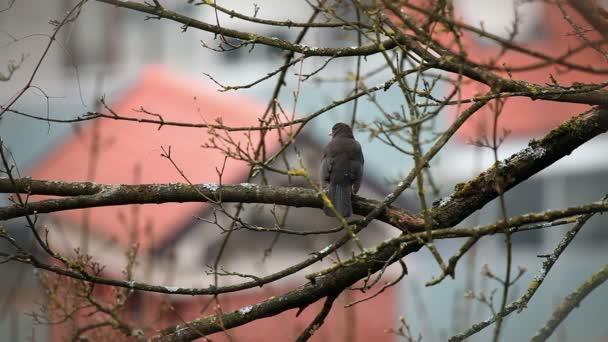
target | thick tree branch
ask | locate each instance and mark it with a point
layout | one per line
(299, 298)
(539, 154)
(467, 198)
(91, 195)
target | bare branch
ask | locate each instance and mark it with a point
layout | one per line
(571, 302)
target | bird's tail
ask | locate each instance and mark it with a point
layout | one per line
(340, 196)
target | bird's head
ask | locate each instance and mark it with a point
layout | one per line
(341, 130)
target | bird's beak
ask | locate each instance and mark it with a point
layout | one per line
(330, 133)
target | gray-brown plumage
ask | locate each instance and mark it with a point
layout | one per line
(341, 169)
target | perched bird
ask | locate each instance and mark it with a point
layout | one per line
(341, 169)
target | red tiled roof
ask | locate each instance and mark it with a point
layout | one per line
(129, 146)
(521, 115)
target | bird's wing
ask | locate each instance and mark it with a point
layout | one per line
(356, 167)
(360, 153)
(326, 165)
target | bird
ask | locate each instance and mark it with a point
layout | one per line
(341, 169)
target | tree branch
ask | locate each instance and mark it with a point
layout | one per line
(319, 319)
(458, 64)
(298, 298)
(593, 13)
(91, 195)
(572, 301)
(364, 50)
(467, 198)
(539, 154)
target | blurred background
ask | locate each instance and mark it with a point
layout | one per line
(134, 61)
